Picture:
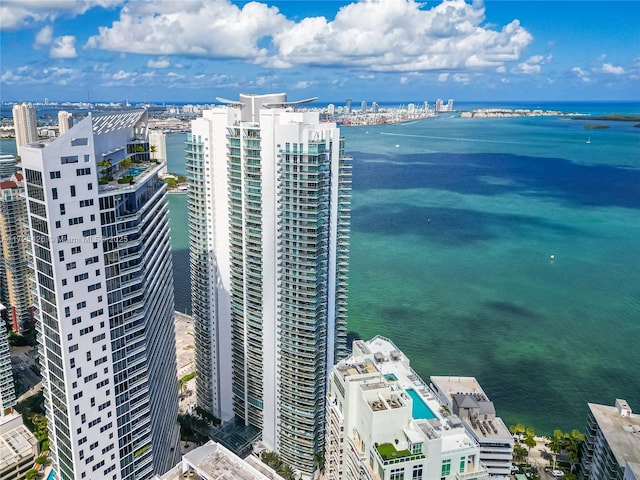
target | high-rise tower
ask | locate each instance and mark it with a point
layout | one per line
(16, 291)
(269, 215)
(25, 125)
(65, 121)
(102, 265)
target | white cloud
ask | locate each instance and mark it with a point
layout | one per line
(582, 74)
(461, 78)
(443, 77)
(28, 75)
(379, 35)
(160, 63)
(209, 28)
(404, 80)
(121, 75)
(609, 68)
(400, 35)
(302, 84)
(15, 14)
(63, 47)
(532, 65)
(43, 37)
(501, 69)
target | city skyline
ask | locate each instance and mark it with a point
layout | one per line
(380, 50)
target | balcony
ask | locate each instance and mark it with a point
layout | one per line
(388, 454)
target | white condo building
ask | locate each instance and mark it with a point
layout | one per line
(7, 390)
(65, 121)
(103, 287)
(158, 146)
(465, 398)
(269, 215)
(385, 423)
(25, 125)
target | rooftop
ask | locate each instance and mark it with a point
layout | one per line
(214, 462)
(111, 122)
(16, 441)
(621, 432)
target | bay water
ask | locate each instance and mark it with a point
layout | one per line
(507, 249)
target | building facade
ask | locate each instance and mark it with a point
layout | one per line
(158, 147)
(611, 449)
(25, 125)
(16, 290)
(385, 423)
(98, 223)
(7, 389)
(269, 215)
(465, 398)
(65, 121)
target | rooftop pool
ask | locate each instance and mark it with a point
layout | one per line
(420, 409)
(135, 171)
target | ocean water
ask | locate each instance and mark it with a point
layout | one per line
(453, 226)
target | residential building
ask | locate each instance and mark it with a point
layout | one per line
(465, 398)
(363, 106)
(348, 106)
(98, 223)
(16, 290)
(611, 450)
(385, 423)
(7, 165)
(18, 446)
(7, 390)
(65, 121)
(25, 125)
(269, 214)
(213, 461)
(158, 146)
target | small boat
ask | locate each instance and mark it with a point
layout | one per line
(397, 146)
(589, 140)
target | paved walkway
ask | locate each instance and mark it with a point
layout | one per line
(185, 357)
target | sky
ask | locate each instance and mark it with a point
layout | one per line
(374, 50)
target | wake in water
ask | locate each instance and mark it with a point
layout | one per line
(457, 139)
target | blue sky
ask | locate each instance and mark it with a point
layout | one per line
(382, 50)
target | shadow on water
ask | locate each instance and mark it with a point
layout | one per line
(495, 174)
(182, 280)
(447, 226)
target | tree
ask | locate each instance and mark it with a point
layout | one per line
(519, 453)
(530, 442)
(555, 445)
(318, 459)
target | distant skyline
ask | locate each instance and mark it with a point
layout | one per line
(383, 50)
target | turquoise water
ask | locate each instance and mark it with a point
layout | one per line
(419, 409)
(391, 377)
(452, 233)
(135, 171)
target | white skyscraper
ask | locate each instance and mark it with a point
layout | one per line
(65, 121)
(269, 215)
(7, 390)
(104, 294)
(158, 146)
(25, 125)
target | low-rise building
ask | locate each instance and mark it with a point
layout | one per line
(611, 450)
(385, 423)
(465, 398)
(18, 446)
(212, 461)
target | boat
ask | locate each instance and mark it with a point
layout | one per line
(589, 140)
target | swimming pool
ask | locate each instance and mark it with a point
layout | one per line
(135, 171)
(391, 377)
(52, 475)
(420, 409)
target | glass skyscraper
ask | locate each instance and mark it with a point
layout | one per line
(269, 216)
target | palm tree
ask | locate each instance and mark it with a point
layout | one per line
(530, 442)
(556, 444)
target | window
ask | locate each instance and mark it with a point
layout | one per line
(93, 287)
(73, 190)
(54, 193)
(76, 320)
(84, 331)
(68, 295)
(58, 224)
(71, 265)
(73, 348)
(446, 467)
(83, 171)
(91, 260)
(463, 463)
(88, 233)
(82, 276)
(69, 159)
(63, 210)
(61, 255)
(86, 203)
(396, 474)
(55, 174)
(75, 221)
(417, 472)
(81, 305)
(89, 186)
(75, 250)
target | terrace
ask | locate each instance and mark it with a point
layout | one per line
(388, 454)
